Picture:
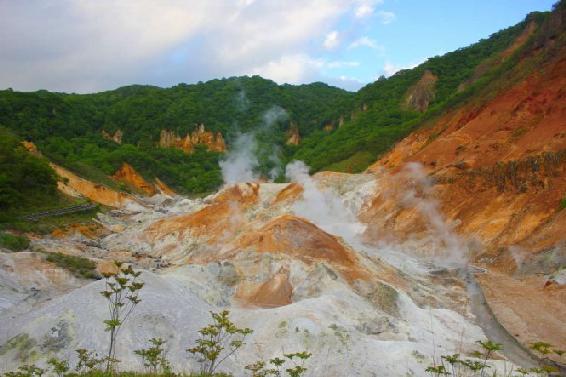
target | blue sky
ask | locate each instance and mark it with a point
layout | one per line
(93, 45)
(422, 29)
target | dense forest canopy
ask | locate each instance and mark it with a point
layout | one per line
(25, 180)
(339, 130)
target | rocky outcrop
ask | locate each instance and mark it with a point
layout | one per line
(126, 174)
(200, 136)
(497, 168)
(116, 137)
(329, 127)
(527, 308)
(129, 176)
(163, 188)
(303, 240)
(341, 121)
(491, 171)
(420, 95)
(293, 136)
(31, 148)
(73, 185)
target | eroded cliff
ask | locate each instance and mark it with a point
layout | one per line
(213, 141)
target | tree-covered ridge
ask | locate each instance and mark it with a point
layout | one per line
(68, 128)
(379, 117)
(142, 111)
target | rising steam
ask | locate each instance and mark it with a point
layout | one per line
(453, 250)
(241, 163)
(325, 208)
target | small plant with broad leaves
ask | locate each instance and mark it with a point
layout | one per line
(454, 366)
(88, 361)
(26, 371)
(276, 366)
(218, 341)
(545, 350)
(58, 367)
(154, 358)
(122, 293)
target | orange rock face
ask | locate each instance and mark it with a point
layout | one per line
(420, 95)
(31, 148)
(218, 221)
(291, 192)
(526, 308)
(494, 169)
(117, 137)
(498, 167)
(129, 176)
(163, 188)
(213, 141)
(303, 240)
(74, 185)
(293, 136)
(91, 230)
(272, 293)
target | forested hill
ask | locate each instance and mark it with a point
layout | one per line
(140, 112)
(68, 128)
(338, 130)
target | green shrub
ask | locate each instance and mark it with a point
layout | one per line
(218, 341)
(99, 373)
(563, 203)
(12, 242)
(154, 358)
(26, 371)
(455, 366)
(78, 266)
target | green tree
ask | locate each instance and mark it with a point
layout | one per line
(218, 341)
(122, 293)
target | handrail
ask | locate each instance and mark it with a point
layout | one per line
(60, 211)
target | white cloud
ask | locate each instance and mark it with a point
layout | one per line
(331, 40)
(299, 68)
(366, 8)
(389, 69)
(292, 69)
(386, 17)
(345, 82)
(91, 45)
(365, 42)
(72, 45)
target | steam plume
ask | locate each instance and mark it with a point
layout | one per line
(241, 161)
(325, 208)
(454, 250)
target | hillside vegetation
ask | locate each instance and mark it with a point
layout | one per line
(26, 181)
(380, 115)
(68, 128)
(339, 130)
